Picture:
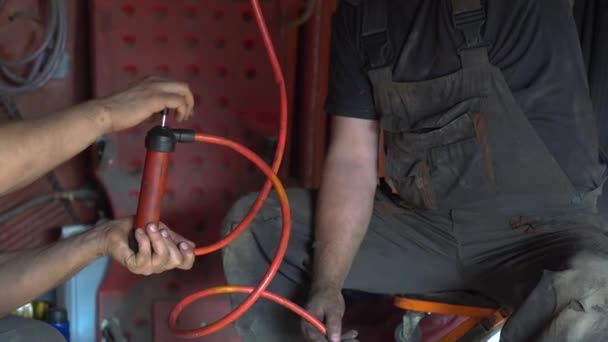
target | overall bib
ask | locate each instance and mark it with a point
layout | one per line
(461, 141)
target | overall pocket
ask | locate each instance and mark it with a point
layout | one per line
(440, 162)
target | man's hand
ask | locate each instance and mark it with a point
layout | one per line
(160, 249)
(135, 104)
(327, 304)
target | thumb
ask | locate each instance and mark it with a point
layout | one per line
(334, 325)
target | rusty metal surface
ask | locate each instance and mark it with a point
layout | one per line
(40, 225)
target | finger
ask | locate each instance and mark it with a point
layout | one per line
(160, 256)
(178, 238)
(182, 89)
(308, 330)
(173, 101)
(125, 255)
(188, 256)
(334, 326)
(142, 258)
(176, 257)
(350, 335)
(312, 334)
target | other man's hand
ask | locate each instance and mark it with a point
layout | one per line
(134, 105)
(327, 304)
(160, 249)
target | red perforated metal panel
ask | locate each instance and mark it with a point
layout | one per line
(215, 46)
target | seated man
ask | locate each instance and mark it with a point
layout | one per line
(492, 166)
(30, 149)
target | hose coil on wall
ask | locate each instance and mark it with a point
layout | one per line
(42, 63)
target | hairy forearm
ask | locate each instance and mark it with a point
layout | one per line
(345, 206)
(31, 148)
(25, 275)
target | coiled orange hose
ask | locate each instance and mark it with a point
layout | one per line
(259, 291)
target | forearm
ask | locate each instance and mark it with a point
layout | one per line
(31, 148)
(345, 207)
(25, 275)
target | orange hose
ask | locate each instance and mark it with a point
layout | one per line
(259, 291)
(278, 158)
(273, 180)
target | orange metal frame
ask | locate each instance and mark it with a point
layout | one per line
(477, 315)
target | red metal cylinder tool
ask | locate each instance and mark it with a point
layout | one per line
(160, 143)
(152, 188)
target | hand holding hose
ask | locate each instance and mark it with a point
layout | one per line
(327, 305)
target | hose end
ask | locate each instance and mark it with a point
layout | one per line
(184, 135)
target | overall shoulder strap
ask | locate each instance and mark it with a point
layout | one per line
(374, 33)
(469, 17)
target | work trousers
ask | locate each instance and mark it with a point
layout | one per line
(550, 271)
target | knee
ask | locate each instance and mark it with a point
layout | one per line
(301, 203)
(257, 244)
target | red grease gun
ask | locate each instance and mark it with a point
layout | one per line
(160, 143)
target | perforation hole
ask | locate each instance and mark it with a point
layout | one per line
(228, 195)
(223, 101)
(136, 166)
(192, 40)
(190, 12)
(247, 15)
(197, 100)
(128, 10)
(226, 164)
(160, 11)
(130, 69)
(220, 43)
(162, 69)
(129, 40)
(162, 39)
(173, 286)
(249, 44)
(192, 70)
(198, 194)
(251, 73)
(141, 322)
(218, 14)
(221, 72)
(251, 169)
(169, 196)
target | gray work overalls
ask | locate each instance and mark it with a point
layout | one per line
(461, 144)
(482, 203)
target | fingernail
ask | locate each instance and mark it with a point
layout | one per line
(335, 338)
(138, 231)
(184, 246)
(152, 228)
(164, 233)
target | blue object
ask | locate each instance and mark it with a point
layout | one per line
(58, 318)
(64, 329)
(79, 295)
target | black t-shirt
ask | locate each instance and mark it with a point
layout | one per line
(533, 42)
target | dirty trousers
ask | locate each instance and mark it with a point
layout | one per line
(552, 272)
